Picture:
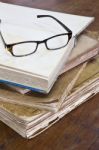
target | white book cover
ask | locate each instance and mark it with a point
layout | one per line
(20, 24)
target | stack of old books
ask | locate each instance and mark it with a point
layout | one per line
(47, 68)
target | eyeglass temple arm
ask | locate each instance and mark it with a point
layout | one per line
(2, 37)
(65, 27)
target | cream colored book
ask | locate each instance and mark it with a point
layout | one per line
(52, 43)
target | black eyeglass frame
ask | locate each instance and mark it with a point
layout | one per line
(10, 46)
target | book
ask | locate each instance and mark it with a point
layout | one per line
(37, 71)
(81, 52)
(30, 122)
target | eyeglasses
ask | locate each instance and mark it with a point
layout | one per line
(26, 48)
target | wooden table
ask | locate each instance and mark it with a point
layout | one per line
(79, 130)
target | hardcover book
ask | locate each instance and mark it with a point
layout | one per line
(33, 52)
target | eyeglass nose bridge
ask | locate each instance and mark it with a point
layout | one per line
(42, 42)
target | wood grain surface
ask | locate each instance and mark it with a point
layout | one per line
(79, 130)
